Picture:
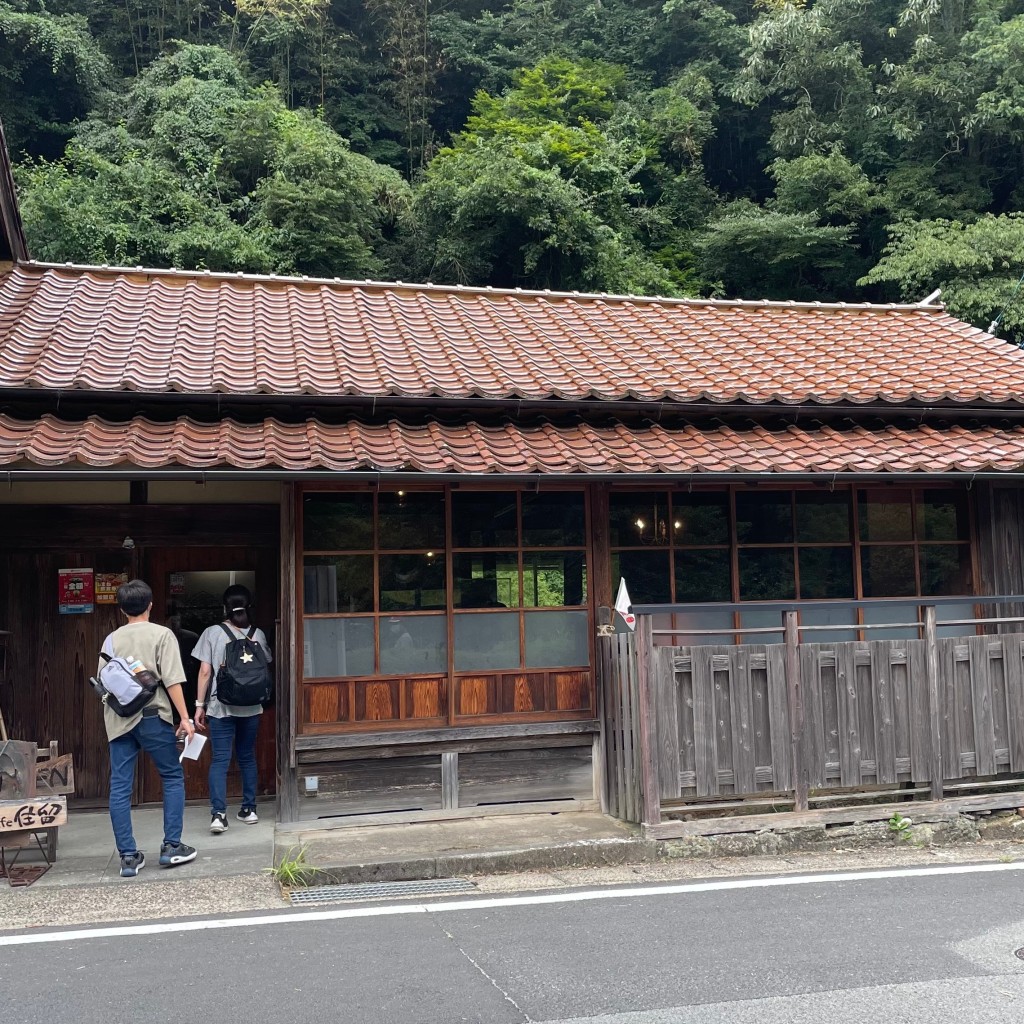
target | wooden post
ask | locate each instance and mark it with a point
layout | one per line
(287, 681)
(794, 692)
(931, 658)
(650, 787)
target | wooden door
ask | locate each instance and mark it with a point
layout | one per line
(169, 571)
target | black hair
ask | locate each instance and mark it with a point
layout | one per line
(236, 605)
(134, 597)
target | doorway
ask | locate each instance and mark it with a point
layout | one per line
(187, 587)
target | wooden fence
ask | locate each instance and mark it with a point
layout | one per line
(705, 726)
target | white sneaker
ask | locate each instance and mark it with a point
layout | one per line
(248, 815)
(218, 823)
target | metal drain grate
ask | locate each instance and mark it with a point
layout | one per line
(380, 890)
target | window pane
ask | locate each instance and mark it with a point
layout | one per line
(761, 618)
(893, 613)
(638, 519)
(486, 580)
(826, 572)
(556, 639)
(646, 574)
(486, 641)
(942, 515)
(337, 522)
(703, 576)
(766, 574)
(337, 647)
(945, 569)
(410, 519)
(700, 518)
(955, 611)
(822, 516)
(699, 620)
(830, 615)
(764, 517)
(884, 515)
(484, 519)
(551, 520)
(411, 581)
(413, 644)
(337, 583)
(888, 571)
(554, 579)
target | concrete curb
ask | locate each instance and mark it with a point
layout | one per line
(582, 854)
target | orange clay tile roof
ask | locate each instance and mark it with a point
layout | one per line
(164, 331)
(475, 449)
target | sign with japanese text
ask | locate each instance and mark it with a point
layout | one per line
(177, 584)
(76, 591)
(16, 815)
(107, 584)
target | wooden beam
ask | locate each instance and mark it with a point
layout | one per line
(930, 810)
(338, 741)
(794, 691)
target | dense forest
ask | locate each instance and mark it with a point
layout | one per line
(833, 150)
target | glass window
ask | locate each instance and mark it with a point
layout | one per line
(553, 579)
(556, 638)
(699, 519)
(703, 575)
(945, 569)
(700, 620)
(485, 641)
(337, 522)
(410, 519)
(554, 519)
(413, 644)
(639, 518)
(826, 572)
(884, 514)
(486, 580)
(766, 574)
(484, 519)
(828, 616)
(764, 517)
(889, 614)
(337, 647)
(942, 515)
(888, 571)
(337, 583)
(761, 618)
(646, 574)
(823, 517)
(412, 582)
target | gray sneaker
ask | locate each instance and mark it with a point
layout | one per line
(173, 854)
(132, 863)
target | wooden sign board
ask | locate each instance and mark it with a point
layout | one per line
(17, 770)
(56, 776)
(27, 815)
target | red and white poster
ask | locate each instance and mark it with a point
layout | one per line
(107, 584)
(76, 590)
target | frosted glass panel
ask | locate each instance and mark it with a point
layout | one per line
(757, 618)
(893, 613)
(337, 647)
(413, 644)
(828, 617)
(956, 611)
(486, 641)
(702, 620)
(555, 639)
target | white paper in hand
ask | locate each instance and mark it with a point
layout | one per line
(193, 747)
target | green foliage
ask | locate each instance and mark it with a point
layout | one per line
(293, 870)
(830, 149)
(977, 265)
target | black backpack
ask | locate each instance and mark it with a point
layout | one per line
(244, 678)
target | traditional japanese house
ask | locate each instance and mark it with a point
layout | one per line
(432, 490)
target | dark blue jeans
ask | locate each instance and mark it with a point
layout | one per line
(156, 738)
(226, 733)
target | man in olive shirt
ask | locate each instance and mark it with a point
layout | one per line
(151, 730)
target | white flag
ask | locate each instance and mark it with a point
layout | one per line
(624, 617)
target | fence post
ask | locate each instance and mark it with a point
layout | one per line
(650, 786)
(794, 691)
(931, 658)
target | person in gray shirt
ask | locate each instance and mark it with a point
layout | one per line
(231, 727)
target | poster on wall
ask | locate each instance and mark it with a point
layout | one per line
(107, 584)
(75, 588)
(177, 584)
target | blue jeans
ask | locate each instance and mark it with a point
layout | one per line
(156, 738)
(226, 733)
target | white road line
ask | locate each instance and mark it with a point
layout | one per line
(495, 902)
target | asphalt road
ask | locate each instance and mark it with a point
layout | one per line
(910, 948)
